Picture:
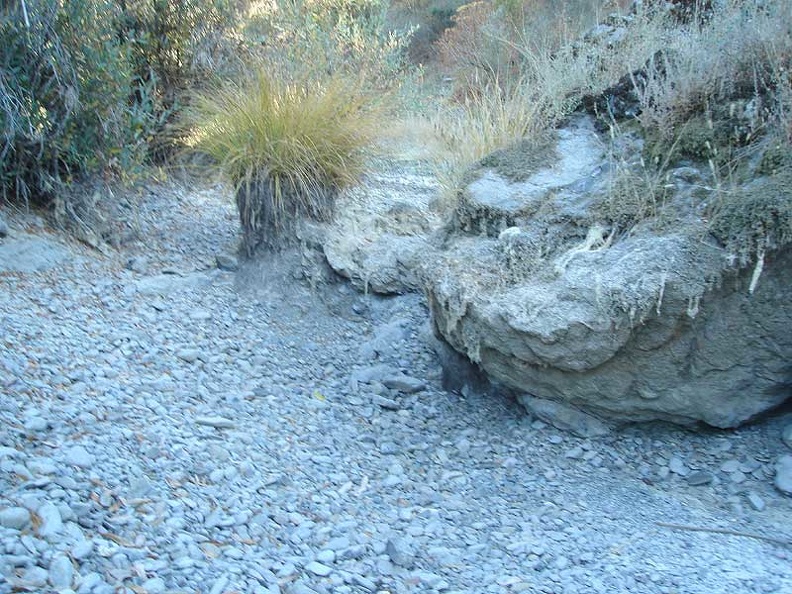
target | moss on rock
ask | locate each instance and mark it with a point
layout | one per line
(756, 218)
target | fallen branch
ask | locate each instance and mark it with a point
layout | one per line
(778, 541)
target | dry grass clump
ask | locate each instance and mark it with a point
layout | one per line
(287, 147)
(490, 38)
(527, 79)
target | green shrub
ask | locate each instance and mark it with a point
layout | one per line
(286, 147)
(89, 86)
(174, 45)
(63, 93)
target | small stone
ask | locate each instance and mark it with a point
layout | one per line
(737, 477)
(698, 478)
(319, 569)
(216, 422)
(677, 466)
(154, 585)
(227, 262)
(386, 403)
(363, 582)
(139, 487)
(200, 315)
(326, 556)
(756, 502)
(51, 520)
(82, 549)
(35, 577)
(391, 481)
(219, 585)
(16, 518)
(786, 435)
(61, 572)
(338, 543)
(188, 355)
(783, 478)
(36, 424)
(404, 384)
(730, 466)
(389, 448)
(399, 553)
(574, 453)
(137, 264)
(79, 456)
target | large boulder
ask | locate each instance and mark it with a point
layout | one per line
(621, 334)
(539, 286)
(384, 227)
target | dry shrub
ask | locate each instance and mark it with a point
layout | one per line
(314, 39)
(475, 51)
(490, 38)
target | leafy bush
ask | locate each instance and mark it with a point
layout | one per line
(172, 46)
(286, 147)
(63, 92)
(317, 39)
(89, 86)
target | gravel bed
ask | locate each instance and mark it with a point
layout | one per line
(167, 426)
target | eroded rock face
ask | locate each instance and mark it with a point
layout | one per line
(650, 325)
(721, 359)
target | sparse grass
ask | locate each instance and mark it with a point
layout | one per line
(286, 147)
(479, 126)
(635, 194)
(718, 88)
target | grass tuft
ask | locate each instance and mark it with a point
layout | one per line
(287, 147)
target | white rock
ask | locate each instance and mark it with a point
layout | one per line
(154, 585)
(756, 501)
(16, 518)
(35, 577)
(319, 569)
(36, 424)
(677, 466)
(82, 549)
(783, 479)
(61, 572)
(51, 521)
(79, 456)
(219, 585)
(216, 422)
(188, 355)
